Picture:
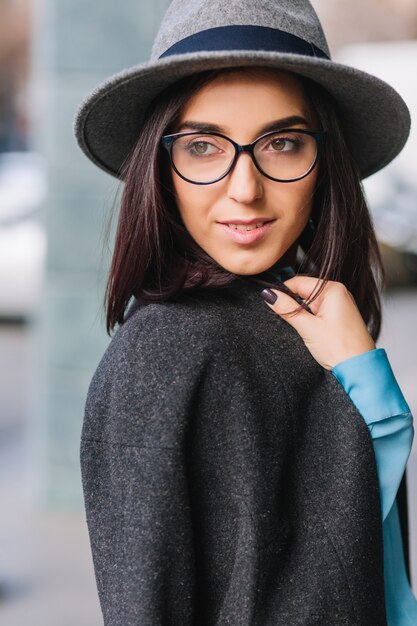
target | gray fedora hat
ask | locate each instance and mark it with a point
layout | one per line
(197, 35)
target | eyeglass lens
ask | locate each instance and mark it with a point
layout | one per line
(282, 155)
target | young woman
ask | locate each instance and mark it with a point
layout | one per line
(241, 462)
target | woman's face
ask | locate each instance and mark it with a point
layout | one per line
(240, 104)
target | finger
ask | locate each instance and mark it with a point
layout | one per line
(304, 287)
(284, 305)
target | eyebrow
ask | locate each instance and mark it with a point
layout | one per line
(285, 122)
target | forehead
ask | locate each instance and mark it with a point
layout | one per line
(256, 94)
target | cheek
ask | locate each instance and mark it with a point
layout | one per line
(304, 193)
(295, 199)
(193, 202)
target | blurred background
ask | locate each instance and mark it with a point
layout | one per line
(54, 208)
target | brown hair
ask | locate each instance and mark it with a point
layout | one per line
(155, 258)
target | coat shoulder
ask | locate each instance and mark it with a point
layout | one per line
(146, 383)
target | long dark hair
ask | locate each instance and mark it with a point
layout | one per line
(155, 258)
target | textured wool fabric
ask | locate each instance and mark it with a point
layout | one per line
(108, 122)
(183, 18)
(228, 478)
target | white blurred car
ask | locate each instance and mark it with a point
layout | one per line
(22, 236)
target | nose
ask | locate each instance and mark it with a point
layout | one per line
(244, 181)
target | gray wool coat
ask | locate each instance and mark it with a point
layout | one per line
(228, 478)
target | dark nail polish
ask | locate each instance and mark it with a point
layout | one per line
(269, 296)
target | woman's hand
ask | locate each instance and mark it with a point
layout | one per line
(336, 331)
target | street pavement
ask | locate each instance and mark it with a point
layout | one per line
(46, 571)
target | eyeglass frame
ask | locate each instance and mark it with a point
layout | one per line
(168, 141)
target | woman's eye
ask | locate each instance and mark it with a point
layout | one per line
(278, 144)
(281, 144)
(201, 148)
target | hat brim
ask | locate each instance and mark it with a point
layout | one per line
(375, 118)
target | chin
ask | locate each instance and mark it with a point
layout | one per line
(247, 269)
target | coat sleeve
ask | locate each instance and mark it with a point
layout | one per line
(140, 532)
(134, 479)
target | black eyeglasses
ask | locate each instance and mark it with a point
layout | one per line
(284, 156)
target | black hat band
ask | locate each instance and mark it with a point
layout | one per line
(244, 37)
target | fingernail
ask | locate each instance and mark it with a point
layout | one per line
(269, 296)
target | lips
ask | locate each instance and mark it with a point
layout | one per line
(255, 220)
(245, 236)
(245, 226)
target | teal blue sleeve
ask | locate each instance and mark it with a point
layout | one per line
(401, 604)
(369, 381)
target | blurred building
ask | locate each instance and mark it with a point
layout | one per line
(15, 24)
(76, 45)
(346, 22)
